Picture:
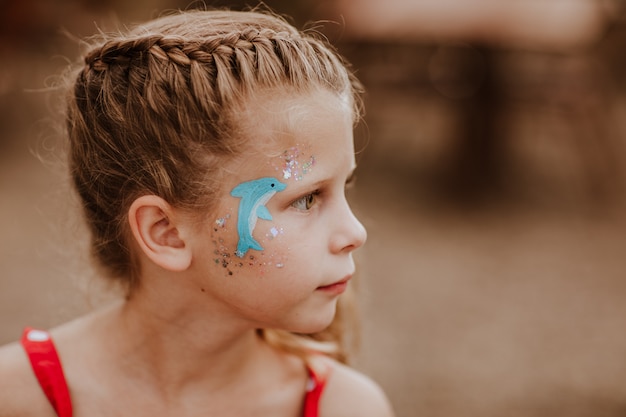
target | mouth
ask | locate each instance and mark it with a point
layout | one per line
(336, 288)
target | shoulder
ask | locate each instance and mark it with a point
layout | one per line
(351, 393)
(20, 394)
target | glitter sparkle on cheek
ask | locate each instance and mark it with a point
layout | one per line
(274, 232)
(275, 260)
(221, 222)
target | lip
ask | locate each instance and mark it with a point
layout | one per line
(336, 288)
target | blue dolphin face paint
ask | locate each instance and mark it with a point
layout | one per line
(254, 195)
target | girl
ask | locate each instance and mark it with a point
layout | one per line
(210, 150)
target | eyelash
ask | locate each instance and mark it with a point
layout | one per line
(308, 200)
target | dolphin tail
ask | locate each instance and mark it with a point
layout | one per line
(245, 244)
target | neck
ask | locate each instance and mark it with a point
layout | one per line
(175, 343)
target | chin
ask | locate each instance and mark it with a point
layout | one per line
(316, 323)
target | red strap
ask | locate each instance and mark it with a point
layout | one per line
(319, 369)
(47, 367)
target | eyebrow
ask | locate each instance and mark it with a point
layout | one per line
(350, 181)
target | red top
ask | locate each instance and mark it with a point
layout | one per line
(49, 372)
(47, 367)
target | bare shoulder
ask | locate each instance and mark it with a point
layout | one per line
(351, 393)
(20, 394)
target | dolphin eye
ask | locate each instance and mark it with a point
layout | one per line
(272, 185)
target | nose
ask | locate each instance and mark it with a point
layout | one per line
(350, 234)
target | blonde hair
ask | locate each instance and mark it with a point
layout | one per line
(154, 111)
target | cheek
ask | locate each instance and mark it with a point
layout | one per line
(224, 238)
(276, 253)
(221, 237)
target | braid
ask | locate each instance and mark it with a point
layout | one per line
(176, 50)
(235, 60)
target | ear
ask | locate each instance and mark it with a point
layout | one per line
(155, 230)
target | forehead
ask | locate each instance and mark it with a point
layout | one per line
(276, 127)
(274, 119)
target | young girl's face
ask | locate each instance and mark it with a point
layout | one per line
(278, 250)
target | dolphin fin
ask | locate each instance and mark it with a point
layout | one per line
(238, 191)
(263, 213)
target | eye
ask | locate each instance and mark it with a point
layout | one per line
(305, 202)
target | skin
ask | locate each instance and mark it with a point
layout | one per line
(326, 233)
(185, 343)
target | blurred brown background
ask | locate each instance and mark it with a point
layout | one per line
(492, 187)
